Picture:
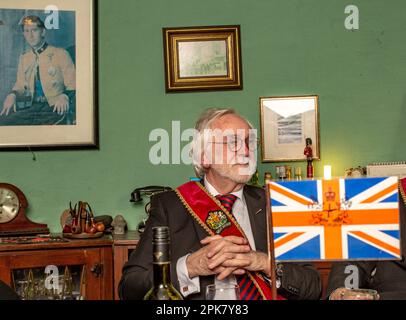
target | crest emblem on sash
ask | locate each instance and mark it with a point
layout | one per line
(217, 221)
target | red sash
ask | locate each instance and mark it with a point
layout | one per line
(215, 219)
(402, 184)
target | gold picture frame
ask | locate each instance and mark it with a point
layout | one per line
(202, 58)
(286, 123)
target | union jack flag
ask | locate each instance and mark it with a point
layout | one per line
(336, 219)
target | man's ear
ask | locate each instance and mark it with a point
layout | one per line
(205, 161)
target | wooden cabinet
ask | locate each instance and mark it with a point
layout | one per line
(92, 257)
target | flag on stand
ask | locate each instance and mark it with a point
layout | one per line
(336, 219)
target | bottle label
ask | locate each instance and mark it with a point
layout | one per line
(161, 253)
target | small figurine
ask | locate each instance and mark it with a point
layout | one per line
(119, 224)
(308, 152)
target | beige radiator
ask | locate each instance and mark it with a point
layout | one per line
(385, 169)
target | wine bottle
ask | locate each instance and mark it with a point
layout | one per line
(162, 288)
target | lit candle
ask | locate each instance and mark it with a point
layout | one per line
(327, 172)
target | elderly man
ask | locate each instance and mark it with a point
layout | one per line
(45, 89)
(218, 224)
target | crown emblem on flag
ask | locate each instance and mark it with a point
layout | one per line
(331, 212)
(331, 217)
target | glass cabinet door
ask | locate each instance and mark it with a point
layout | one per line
(65, 273)
(50, 283)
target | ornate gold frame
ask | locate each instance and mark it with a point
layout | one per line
(174, 82)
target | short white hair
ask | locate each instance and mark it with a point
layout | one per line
(202, 125)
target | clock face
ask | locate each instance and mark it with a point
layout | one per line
(9, 205)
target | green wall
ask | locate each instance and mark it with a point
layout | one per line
(289, 47)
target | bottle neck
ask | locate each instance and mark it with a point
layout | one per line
(162, 274)
(161, 263)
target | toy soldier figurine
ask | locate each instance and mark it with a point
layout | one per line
(308, 152)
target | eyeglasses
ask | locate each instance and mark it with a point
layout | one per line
(235, 143)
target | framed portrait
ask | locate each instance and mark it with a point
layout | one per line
(48, 63)
(202, 58)
(289, 127)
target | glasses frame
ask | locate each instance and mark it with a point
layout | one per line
(236, 149)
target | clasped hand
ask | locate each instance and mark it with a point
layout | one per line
(224, 256)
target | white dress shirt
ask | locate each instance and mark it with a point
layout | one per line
(240, 211)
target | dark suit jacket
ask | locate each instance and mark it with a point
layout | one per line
(300, 281)
(6, 293)
(387, 277)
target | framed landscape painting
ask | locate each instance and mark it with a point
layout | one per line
(202, 58)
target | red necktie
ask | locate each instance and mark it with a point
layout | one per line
(248, 290)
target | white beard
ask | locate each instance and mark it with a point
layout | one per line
(238, 175)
